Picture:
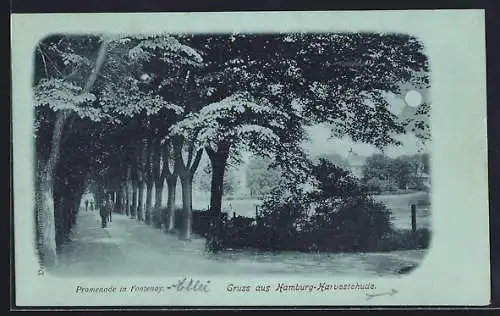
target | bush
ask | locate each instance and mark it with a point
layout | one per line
(355, 225)
(335, 214)
(403, 239)
(158, 217)
(200, 221)
(378, 186)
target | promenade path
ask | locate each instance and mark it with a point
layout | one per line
(131, 248)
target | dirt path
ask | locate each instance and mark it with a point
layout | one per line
(131, 248)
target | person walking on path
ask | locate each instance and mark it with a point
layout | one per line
(110, 208)
(87, 205)
(92, 205)
(103, 211)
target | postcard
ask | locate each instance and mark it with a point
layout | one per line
(330, 158)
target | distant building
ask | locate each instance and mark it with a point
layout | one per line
(356, 163)
(426, 179)
(422, 176)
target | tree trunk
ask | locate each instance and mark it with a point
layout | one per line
(119, 200)
(67, 213)
(157, 175)
(159, 217)
(77, 202)
(185, 171)
(128, 190)
(71, 210)
(45, 206)
(130, 197)
(171, 188)
(187, 204)
(124, 199)
(60, 216)
(140, 202)
(217, 184)
(149, 201)
(127, 198)
(133, 209)
(60, 219)
(158, 193)
(217, 191)
(46, 230)
(218, 161)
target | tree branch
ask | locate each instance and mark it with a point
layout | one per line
(44, 62)
(149, 160)
(91, 80)
(99, 62)
(141, 159)
(196, 162)
(190, 153)
(156, 158)
(179, 165)
(54, 65)
(210, 153)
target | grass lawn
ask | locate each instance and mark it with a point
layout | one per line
(399, 204)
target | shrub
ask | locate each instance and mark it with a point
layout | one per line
(378, 186)
(335, 214)
(158, 217)
(354, 225)
(200, 221)
(404, 239)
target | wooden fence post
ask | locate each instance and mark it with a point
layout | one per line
(257, 214)
(413, 218)
(414, 225)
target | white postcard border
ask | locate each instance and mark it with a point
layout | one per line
(456, 269)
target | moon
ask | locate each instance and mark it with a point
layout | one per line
(413, 98)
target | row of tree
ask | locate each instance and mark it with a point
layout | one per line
(134, 112)
(379, 172)
(384, 174)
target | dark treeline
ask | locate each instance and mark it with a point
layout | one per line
(384, 174)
